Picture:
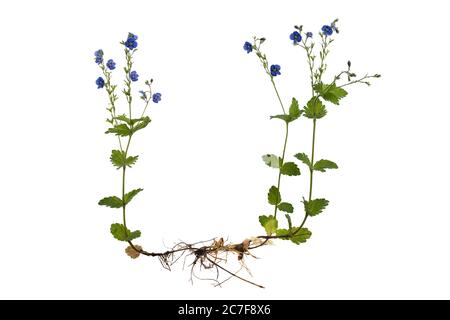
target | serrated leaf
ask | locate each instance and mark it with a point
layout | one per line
(130, 195)
(119, 160)
(294, 110)
(330, 93)
(314, 207)
(315, 109)
(323, 164)
(294, 113)
(269, 223)
(271, 160)
(127, 120)
(121, 130)
(274, 196)
(141, 124)
(299, 237)
(112, 202)
(123, 234)
(290, 169)
(286, 207)
(303, 158)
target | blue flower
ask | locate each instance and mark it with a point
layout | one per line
(327, 30)
(131, 41)
(111, 64)
(156, 97)
(100, 82)
(309, 34)
(296, 37)
(134, 76)
(98, 56)
(275, 70)
(248, 47)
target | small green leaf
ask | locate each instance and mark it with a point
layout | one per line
(303, 158)
(330, 92)
(123, 234)
(130, 195)
(294, 110)
(131, 160)
(315, 109)
(120, 130)
(290, 169)
(284, 117)
(286, 207)
(274, 196)
(300, 236)
(112, 202)
(271, 160)
(141, 124)
(119, 160)
(314, 207)
(323, 164)
(127, 120)
(270, 223)
(294, 113)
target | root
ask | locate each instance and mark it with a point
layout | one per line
(208, 255)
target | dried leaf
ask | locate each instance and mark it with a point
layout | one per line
(133, 254)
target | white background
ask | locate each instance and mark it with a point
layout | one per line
(385, 233)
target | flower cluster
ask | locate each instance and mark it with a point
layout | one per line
(98, 56)
(131, 43)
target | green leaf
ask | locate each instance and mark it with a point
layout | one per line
(294, 110)
(314, 207)
(271, 160)
(112, 202)
(141, 124)
(294, 113)
(303, 158)
(290, 169)
(274, 196)
(123, 234)
(127, 120)
(323, 164)
(284, 117)
(315, 109)
(286, 207)
(299, 237)
(119, 160)
(330, 93)
(120, 130)
(270, 223)
(131, 160)
(130, 195)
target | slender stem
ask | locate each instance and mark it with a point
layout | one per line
(311, 170)
(278, 95)
(281, 164)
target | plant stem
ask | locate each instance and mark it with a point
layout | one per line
(285, 143)
(311, 170)
(278, 95)
(281, 164)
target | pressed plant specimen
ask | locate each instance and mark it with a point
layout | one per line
(212, 254)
